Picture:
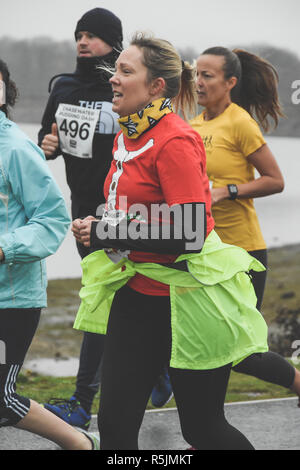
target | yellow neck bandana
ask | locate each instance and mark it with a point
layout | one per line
(135, 124)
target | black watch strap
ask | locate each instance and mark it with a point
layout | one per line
(233, 191)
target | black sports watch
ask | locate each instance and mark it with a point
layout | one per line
(233, 191)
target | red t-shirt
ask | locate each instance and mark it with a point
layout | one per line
(166, 164)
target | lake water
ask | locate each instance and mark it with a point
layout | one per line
(279, 214)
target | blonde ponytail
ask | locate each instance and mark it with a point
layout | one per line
(162, 60)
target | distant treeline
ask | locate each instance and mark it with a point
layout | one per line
(33, 62)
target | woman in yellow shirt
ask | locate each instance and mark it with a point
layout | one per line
(234, 87)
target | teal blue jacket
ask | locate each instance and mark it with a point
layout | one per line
(33, 219)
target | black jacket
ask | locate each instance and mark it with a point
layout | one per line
(85, 177)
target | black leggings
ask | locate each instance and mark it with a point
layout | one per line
(17, 328)
(269, 366)
(89, 371)
(138, 345)
(259, 277)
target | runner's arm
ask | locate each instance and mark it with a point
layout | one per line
(186, 233)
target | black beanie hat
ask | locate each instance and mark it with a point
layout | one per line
(104, 24)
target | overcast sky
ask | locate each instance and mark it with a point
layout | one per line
(196, 23)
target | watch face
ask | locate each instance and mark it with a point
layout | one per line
(233, 191)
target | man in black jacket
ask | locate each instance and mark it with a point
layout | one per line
(79, 124)
(78, 121)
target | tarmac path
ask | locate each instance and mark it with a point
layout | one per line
(268, 424)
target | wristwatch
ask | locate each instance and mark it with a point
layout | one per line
(233, 191)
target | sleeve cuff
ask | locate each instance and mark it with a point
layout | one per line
(94, 240)
(8, 251)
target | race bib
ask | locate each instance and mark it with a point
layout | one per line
(76, 127)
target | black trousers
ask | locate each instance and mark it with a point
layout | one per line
(17, 328)
(259, 278)
(137, 347)
(268, 366)
(90, 359)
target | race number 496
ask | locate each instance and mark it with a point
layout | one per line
(73, 128)
(76, 128)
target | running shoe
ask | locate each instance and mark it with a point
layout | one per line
(94, 438)
(162, 393)
(70, 411)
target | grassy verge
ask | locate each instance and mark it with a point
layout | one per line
(283, 280)
(241, 388)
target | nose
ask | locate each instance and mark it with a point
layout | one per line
(114, 79)
(199, 81)
(83, 39)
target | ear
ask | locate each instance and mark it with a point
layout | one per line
(232, 81)
(158, 86)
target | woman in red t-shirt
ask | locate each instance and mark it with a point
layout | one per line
(157, 181)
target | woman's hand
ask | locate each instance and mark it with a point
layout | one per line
(81, 229)
(219, 194)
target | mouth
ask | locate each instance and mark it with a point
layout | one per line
(117, 95)
(84, 52)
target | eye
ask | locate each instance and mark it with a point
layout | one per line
(126, 71)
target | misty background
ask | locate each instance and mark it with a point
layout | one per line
(32, 63)
(37, 40)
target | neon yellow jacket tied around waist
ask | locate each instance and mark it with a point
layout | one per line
(213, 314)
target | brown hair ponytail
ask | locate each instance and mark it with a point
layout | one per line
(257, 87)
(258, 90)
